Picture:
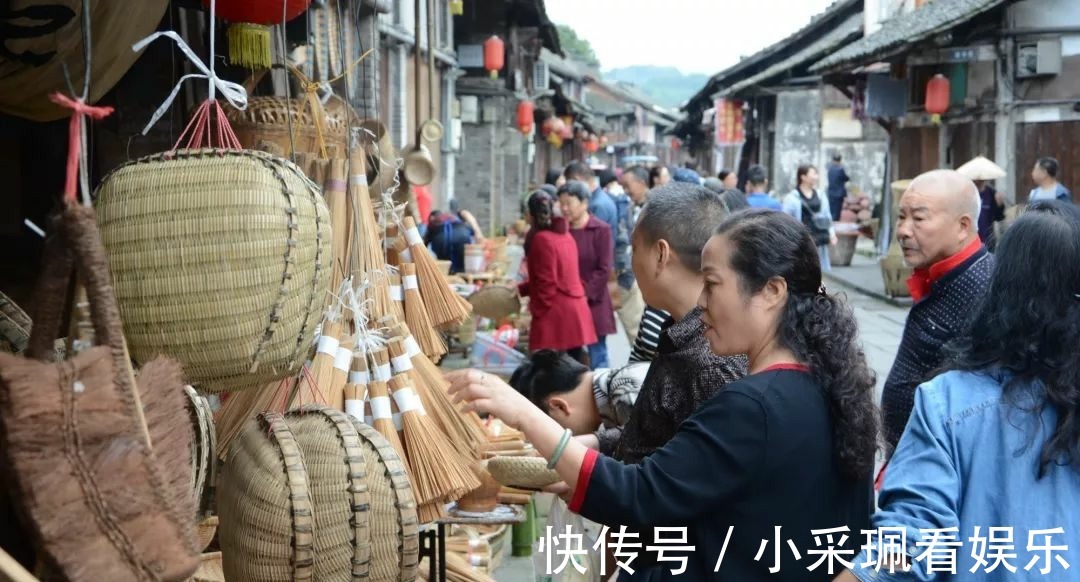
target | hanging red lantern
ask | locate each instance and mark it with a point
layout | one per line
(548, 126)
(558, 127)
(525, 111)
(566, 130)
(494, 55)
(937, 96)
(592, 145)
(249, 33)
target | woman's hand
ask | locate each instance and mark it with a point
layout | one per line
(488, 394)
(833, 240)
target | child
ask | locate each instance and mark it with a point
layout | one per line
(596, 402)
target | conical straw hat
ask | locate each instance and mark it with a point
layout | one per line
(981, 168)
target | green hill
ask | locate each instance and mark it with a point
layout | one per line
(665, 85)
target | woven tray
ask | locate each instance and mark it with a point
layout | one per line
(495, 302)
(283, 126)
(221, 259)
(14, 326)
(523, 472)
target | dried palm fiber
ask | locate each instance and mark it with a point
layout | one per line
(467, 426)
(393, 244)
(290, 125)
(356, 517)
(416, 314)
(77, 449)
(317, 381)
(204, 460)
(440, 474)
(381, 416)
(221, 258)
(436, 401)
(340, 374)
(444, 305)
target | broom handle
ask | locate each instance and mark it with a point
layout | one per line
(416, 72)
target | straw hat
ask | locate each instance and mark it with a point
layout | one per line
(981, 168)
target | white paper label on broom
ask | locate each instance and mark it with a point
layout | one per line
(401, 363)
(382, 373)
(476, 560)
(411, 347)
(380, 407)
(412, 236)
(410, 282)
(355, 409)
(406, 255)
(369, 420)
(329, 345)
(358, 180)
(397, 422)
(343, 359)
(359, 377)
(396, 294)
(408, 401)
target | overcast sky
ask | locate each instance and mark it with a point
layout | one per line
(694, 36)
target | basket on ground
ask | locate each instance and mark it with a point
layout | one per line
(221, 259)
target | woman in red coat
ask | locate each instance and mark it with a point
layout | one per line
(560, 312)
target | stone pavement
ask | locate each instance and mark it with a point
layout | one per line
(864, 276)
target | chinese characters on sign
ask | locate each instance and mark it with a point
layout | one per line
(729, 122)
(885, 548)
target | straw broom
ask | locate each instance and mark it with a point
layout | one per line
(339, 374)
(367, 253)
(416, 314)
(340, 220)
(467, 427)
(357, 387)
(381, 419)
(440, 474)
(393, 245)
(436, 401)
(397, 297)
(443, 304)
(322, 366)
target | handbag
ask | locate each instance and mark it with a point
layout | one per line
(821, 223)
(107, 496)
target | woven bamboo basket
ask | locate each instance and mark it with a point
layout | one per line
(495, 302)
(266, 125)
(523, 472)
(14, 326)
(203, 455)
(221, 259)
(210, 569)
(312, 495)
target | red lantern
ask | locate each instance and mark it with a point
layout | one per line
(558, 127)
(525, 110)
(547, 126)
(566, 131)
(249, 35)
(494, 55)
(937, 95)
(592, 145)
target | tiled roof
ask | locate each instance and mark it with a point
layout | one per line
(905, 30)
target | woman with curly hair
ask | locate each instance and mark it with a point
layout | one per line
(995, 441)
(780, 455)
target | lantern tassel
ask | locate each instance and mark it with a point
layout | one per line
(249, 45)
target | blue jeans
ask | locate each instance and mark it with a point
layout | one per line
(598, 357)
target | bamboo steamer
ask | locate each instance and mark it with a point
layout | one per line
(313, 495)
(219, 258)
(287, 126)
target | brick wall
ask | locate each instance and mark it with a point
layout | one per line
(492, 160)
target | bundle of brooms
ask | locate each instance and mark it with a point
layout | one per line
(368, 260)
(417, 314)
(440, 474)
(445, 307)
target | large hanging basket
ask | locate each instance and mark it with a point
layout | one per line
(313, 495)
(221, 259)
(287, 126)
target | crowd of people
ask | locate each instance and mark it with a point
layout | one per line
(749, 406)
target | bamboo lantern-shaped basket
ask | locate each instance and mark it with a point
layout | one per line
(221, 259)
(287, 126)
(314, 495)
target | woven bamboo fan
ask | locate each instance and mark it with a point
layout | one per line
(220, 258)
(495, 302)
(310, 496)
(265, 125)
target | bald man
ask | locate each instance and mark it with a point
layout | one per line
(938, 229)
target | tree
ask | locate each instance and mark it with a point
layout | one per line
(577, 48)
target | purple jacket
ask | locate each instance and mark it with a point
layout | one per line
(596, 257)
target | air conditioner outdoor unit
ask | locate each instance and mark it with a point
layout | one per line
(541, 76)
(1038, 58)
